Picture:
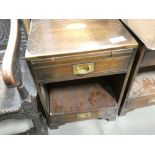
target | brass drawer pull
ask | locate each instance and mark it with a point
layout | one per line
(81, 69)
(86, 115)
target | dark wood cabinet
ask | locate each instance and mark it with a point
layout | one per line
(141, 86)
(80, 67)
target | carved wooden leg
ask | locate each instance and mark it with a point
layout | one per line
(31, 111)
(40, 125)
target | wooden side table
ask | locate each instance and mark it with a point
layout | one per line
(80, 67)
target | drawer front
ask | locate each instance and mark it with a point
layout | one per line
(140, 102)
(102, 113)
(60, 69)
(149, 58)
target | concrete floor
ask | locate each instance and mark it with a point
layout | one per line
(140, 121)
(14, 126)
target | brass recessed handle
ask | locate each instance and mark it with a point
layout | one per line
(81, 69)
(86, 115)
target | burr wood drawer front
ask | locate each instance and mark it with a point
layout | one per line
(79, 66)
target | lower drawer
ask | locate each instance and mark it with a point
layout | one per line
(81, 100)
(57, 120)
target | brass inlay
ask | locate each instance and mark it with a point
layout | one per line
(84, 115)
(81, 69)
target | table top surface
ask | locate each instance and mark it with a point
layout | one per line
(57, 37)
(144, 29)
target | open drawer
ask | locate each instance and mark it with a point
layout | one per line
(82, 99)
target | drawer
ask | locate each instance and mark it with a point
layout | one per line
(78, 66)
(149, 58)
(86, 99)
(72, 117)
(140, 102)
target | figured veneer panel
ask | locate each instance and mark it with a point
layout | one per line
(81, 96)
(143, 85)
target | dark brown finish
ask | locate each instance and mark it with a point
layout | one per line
(85, 99)
(65, 43)
(71, 51)
(140, 88)
(61, 68)
(134, 70)
(80, 100)
(55, 37)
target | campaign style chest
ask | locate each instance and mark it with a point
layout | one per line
(80, 67)
(141, 89)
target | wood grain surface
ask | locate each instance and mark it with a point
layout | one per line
(81, 96)
(149, 58)
(144, 29)
(54, 37)
(143, 85)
